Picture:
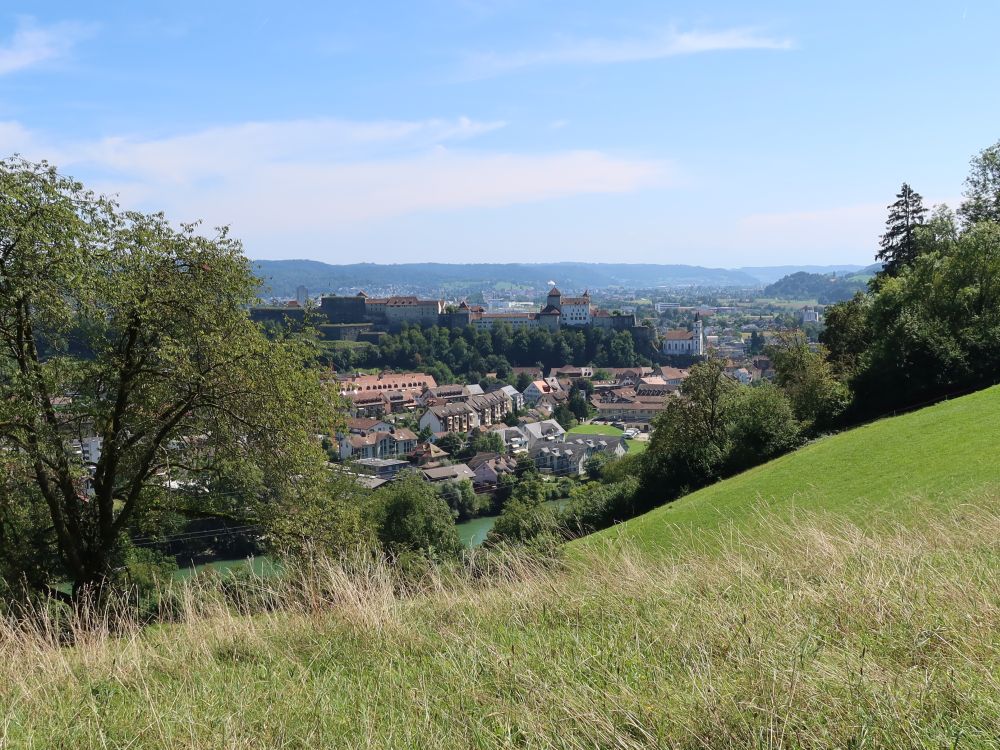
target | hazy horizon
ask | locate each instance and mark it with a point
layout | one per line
(542, 263)
(486, 130)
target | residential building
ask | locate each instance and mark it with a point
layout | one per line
(368, 404)
(548, 430)
(569, 458)
(490, 408)
(515, 396)
(489, 467)
(444, 394)
(555, 458)
(429, 455)
(391, 443)
(513, 437)
(809, 315)
(540, 388)
(740, 374)
(386, 381)
(382, 468)
(614, 446)
(673, 375)
(454, 417)
(626, 405)
(453, 473)
(549, 402)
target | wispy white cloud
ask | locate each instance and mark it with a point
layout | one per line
(666, 43)
(31, 44)
(316, 176)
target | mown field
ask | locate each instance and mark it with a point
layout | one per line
(883, 472)
(795, 621)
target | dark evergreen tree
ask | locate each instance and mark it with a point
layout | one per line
(899, 243)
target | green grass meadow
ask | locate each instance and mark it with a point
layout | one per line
(595, 429)
(880, 472)
(844, 596)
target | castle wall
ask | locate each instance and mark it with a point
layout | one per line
(344, 309)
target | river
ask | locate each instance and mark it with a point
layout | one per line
(473, 532)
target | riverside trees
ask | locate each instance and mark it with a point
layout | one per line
(118, 327)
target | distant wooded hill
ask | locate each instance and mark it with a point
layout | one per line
(282, 277)
(826, 289)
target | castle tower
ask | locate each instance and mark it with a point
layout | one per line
(554, 298)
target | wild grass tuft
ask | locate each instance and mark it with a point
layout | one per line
(813, 635)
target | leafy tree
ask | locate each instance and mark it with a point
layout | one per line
(488, 442)
(846, 335)
(597, 506)
(409, 517)
(578, 406)
(564, 416)
(935, 328)
(982, 188)
(690, 440)
(594, 465)
(899, 246)
(623, 350)
(757, 343)
(939, 233)
(761, 426)
(451, 443)
(523, 381)
(114, 325)
(524, 518)
(461, 499)
(505, 489)
(330, 522)
(526, 467)
(504, 371)
(806, 376)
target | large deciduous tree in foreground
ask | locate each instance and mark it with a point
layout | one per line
(116, 326)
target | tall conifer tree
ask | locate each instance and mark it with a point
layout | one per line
(900, 243)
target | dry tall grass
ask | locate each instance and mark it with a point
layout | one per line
(817, 635)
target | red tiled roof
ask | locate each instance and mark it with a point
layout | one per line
(678, 335)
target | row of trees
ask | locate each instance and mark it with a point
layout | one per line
(929, 325)
(468, 353)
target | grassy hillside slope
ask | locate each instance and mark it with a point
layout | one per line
(881, 472)
(789, 630)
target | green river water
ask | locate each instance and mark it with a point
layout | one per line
(472, 533)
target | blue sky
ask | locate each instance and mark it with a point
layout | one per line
(722, 134)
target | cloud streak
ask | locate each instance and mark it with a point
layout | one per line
(667, 43)
(320, 176)
(32, 45)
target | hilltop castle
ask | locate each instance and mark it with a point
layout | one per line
(390, 313)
